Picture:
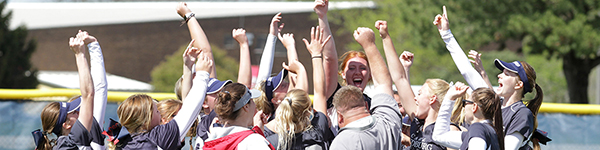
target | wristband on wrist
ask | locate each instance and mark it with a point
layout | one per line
(187, 18)
(320, 56)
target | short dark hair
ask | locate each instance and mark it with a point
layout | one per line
(348, 97)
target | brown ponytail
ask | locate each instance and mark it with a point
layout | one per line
(49, 118)
(491, 108)
(535, 103)
(226, 100)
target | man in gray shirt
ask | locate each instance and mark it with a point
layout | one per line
(380, 129)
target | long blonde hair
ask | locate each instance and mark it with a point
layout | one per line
(293, 115)
(135, 113)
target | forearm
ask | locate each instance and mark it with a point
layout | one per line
(98, 74)
(186, 81)
(461, 60)
(302, 82)
(266, 60)
(320, 99)
(192, 103)
(330, 58)
(379, 71)
(87, 91)
(397, 74)
(201, 42)
(291, 57)
(441, 131)
(245, 70)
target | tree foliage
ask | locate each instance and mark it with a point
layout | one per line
(548, 31)
(15, 51)
(170, 70)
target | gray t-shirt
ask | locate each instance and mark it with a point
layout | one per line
(380, 131)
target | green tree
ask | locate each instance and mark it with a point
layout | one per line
(15, 51)
(475, 24)
(170, 70)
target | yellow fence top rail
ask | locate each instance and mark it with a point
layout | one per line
(59, 94)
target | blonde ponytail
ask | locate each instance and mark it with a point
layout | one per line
(292, 116)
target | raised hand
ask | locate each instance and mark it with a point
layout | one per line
(476, 60)
(77, 45)
(364, 36)
(293, 67)
(317, 42)
(287, 39)
(407, 59)
(441, 21)
(182, 9)
(240, 36)
(260, 119)
(204, 63)
(456, 91)
(190, 55)
(275, 28)
(382, 27)
(86, 37)
(321, 7)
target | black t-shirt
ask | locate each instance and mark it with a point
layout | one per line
(165, 137)
(420, 140)
(330, 99)
(481, 130)
(319, 135)
(204, 125)
(518, 118)
(78, 138)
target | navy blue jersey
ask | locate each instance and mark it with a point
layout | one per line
(481, 130)
(319, 135)
(165, 137)
(204, 125)
(518, 118)
(421, 139)
(78, 138)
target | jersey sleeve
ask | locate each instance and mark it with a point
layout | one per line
(166, 136)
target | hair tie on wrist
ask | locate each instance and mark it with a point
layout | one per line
(320, 56)
(187, 18)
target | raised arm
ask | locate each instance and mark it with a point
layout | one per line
(290, 45)
(476, 61)
(245, 70)
(330, 57)
(86, 85)
(397, 72)
(98, 74)
(460, 59)
(197, 33)
(441, 132)
(189, 58)
(407, 60)
(315, 48)
(266, 60)
(193, 102)
(379, 71)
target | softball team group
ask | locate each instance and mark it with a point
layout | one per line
(279, 114)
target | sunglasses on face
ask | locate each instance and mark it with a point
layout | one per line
(465, 102)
